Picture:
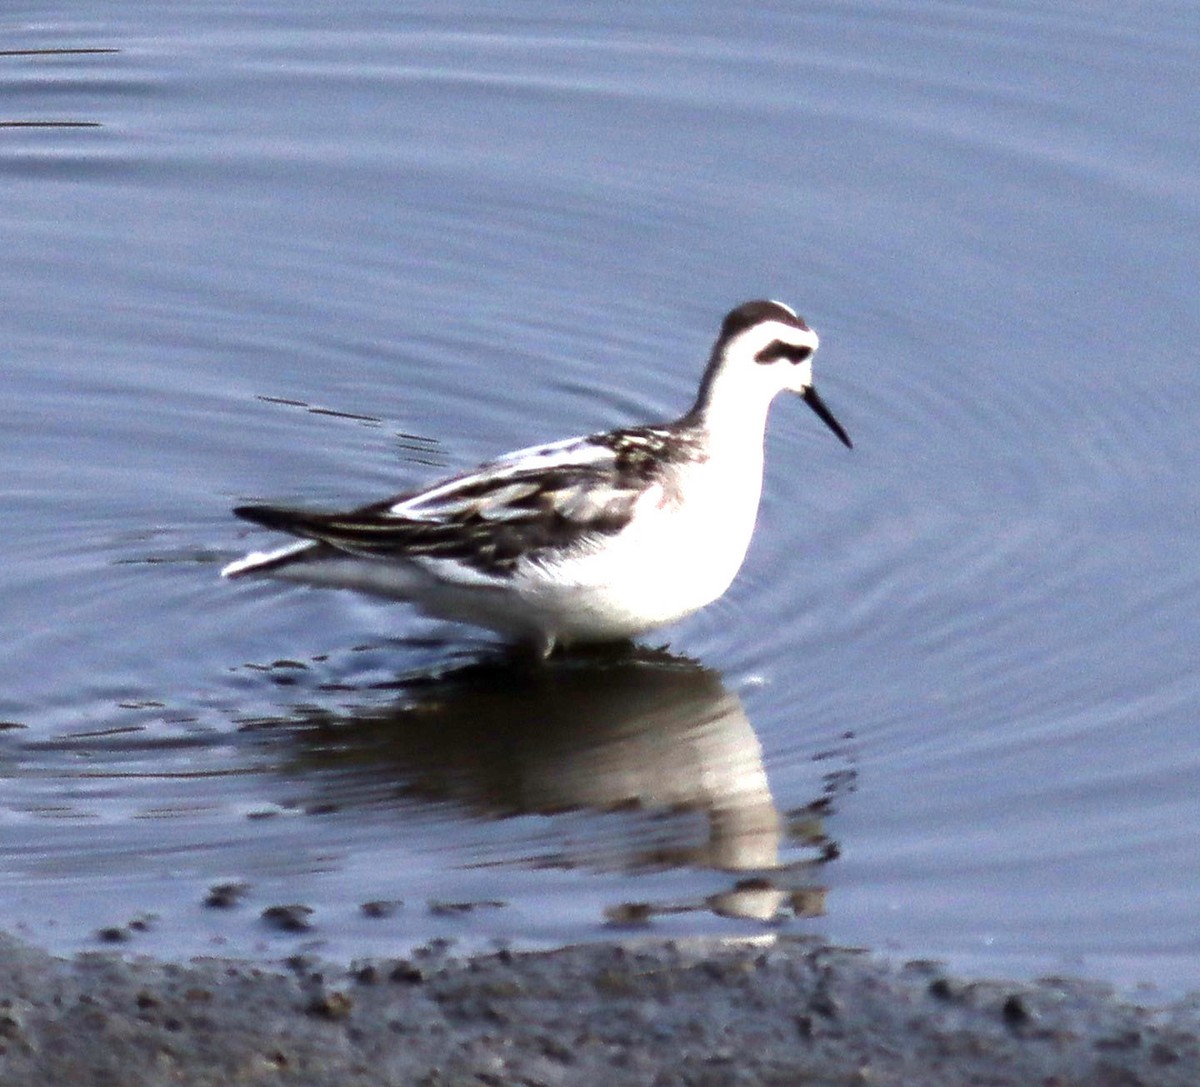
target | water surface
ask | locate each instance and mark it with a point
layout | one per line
(949, 707)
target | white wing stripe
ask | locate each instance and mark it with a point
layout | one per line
(442, 502)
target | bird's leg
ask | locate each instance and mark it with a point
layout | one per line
(544, 644)
(534, 648)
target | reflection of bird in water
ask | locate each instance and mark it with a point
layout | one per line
(655, 741)
(586, 540)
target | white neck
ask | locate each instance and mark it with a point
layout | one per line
(733, 412)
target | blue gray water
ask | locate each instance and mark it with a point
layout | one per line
(289, 253)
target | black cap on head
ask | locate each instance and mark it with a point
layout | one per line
(749, 314)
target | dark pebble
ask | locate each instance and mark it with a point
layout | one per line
(941, 989)
(405, 972)
(450, 909)
(293, 918)
(224, 896)
(332, 1006)
(1016, 1012)
(629, 913)
(366, 975)
(380, 908)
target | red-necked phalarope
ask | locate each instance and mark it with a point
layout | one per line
(586, 540)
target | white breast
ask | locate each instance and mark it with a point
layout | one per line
(682, 549)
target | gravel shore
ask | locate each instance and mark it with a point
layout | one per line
(793, 1013)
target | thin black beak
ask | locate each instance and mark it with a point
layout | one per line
(825, 415)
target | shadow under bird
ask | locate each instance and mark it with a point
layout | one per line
(591, 539)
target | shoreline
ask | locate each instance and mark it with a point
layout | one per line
(795, 1012)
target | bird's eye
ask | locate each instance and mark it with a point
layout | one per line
(778, 349)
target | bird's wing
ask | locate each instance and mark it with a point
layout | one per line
(528, 503)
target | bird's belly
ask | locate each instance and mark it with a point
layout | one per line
(645, 578)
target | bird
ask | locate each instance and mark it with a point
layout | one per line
(591, 539)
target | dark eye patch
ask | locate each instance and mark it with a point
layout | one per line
(777, 349)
